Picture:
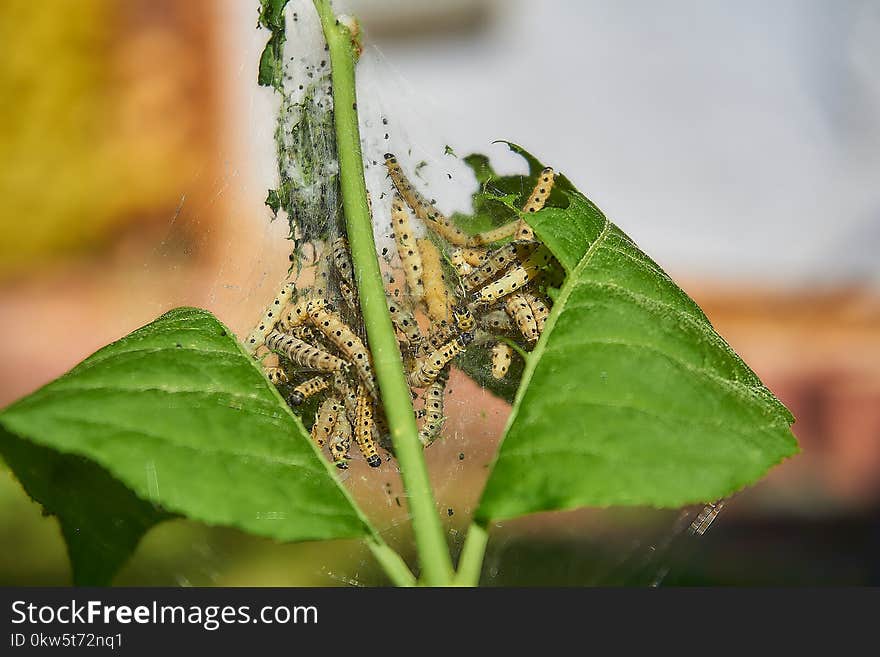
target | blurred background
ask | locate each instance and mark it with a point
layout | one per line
(738, 144)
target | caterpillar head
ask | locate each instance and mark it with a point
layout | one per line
(476, 300)
(374, 461)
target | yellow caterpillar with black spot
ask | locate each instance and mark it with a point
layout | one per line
(276, 374)
(325, 421)
(496, 262)
(540, 310)
(462, 267)
(342, 263)
(443, 332)
(475, 257)
(518, 228)
(343, 338)
(307, 389)
(494, 235)
(321, 286)
(463, 319)
(270, 317)
(501, 357)
(363, 428)
(346, 392)
(520, 310)
(433, 218)
(407, 248)
(293, 316)
(405, 322)
(535, 202)
(514, 278)
(426, 369)
(303, 353)
(495, 321)
(434, 418)
(340, 440)
(436, 294)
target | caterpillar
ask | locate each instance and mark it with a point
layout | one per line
(706, 517)
(496, 321)
(519, 227)
(433, 218)
(344, 339)
(349, 295)
(293, 316)
(434, 418)
(482, 337)
(267, 322)
(462, 267)
(407, 248)
(340, 441)
(321, 287)
(535, 202)
(405, 322)
(539, 310)
(303, 353)
(442, 334)
(342, 387)
(341, 259)
(325, 421)
(308, 389)
(426, 369)
(520, 310)
(515, 278)
(496, 262)
(463, 319)
(276, 374)
(363, 428)
(501, 356)
(342, 263)
(315, 304)
(304, 333)
(494, 235)
(475, 257)
(436, 295)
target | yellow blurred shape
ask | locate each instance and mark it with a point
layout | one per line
(91, 132)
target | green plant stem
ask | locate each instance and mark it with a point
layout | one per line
(392, 563)
(513, 345)
(436, 565)
(470, 564)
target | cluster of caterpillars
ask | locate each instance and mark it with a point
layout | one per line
(309, 349)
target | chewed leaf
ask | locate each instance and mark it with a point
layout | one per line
(172, 419)
(270, 71)
(630, 397)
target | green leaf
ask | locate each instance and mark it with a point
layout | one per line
(273, 200)
(630, 396)
(271, 69)
(272, 14)
(498, 198)
(101, 520)
(174, 418)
